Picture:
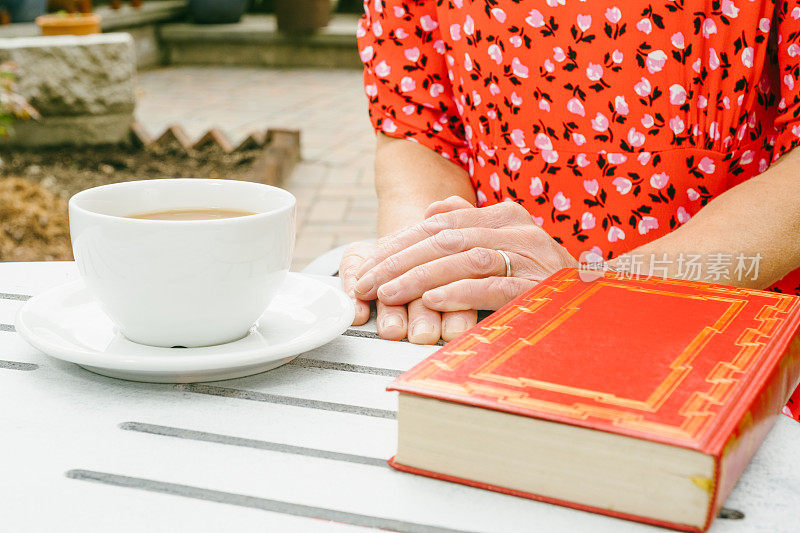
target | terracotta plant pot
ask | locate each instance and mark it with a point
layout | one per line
(302, 16)
(69, 24)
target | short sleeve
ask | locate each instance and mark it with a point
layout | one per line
(787, 58)
(406, 77)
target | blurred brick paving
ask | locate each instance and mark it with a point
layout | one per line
(334, 181)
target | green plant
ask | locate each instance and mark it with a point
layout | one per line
(13, 106)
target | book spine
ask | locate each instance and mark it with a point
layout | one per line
(759, 418)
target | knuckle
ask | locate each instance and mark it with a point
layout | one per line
(457, 202)
(508, 207)
(450, 240)
(391, 265)
(514, 210)
(534, 234)
(430, 226)
(497, 215)
(437, 223)
(480, 259)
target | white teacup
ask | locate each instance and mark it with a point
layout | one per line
(183, 283)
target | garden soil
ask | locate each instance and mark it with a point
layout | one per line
(35, 187)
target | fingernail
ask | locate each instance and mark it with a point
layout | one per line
(421, 327)
(434, 296)
(455, 325)
(392, 321)
(365, 284)
(389, 289)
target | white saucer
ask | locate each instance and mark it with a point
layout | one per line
(67, 323)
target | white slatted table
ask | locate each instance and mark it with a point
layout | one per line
(300, 448)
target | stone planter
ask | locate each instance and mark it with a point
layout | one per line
(83, 87)
(69, 24)
(216, 11)
(25, 10)
(302, 17)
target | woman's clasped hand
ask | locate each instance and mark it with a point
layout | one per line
(453, 262)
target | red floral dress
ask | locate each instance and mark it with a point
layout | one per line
(612, 122)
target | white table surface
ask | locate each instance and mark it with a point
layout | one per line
(299, 448)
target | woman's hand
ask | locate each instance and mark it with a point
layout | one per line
(451, 260)
(394, 322)
(352, 260)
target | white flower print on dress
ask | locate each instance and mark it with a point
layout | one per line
(536, 188)
(588, 221)
(561, 202)
(535, 18)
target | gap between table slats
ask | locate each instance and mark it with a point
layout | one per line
(253, 502)
(14, 297)
(189, 434)
(344, 367)
(17, 365)
(239, 394)
(11, 296)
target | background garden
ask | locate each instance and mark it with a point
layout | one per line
(268, 91)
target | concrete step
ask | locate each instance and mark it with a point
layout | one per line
(255, 41)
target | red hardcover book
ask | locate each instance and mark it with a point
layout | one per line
(643, 399)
